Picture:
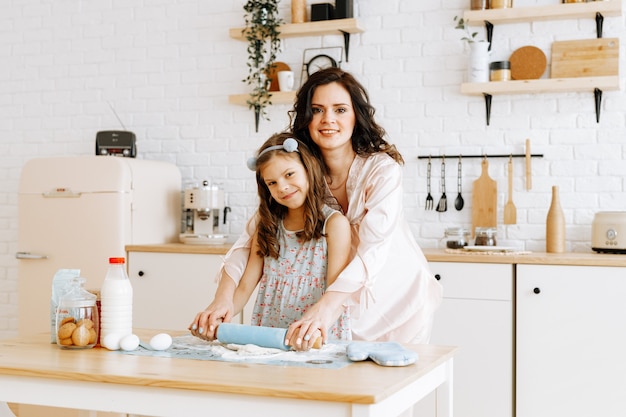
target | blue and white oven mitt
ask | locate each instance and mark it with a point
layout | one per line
(383, 353)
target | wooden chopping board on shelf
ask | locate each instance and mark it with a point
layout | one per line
(484, 200)
(585, 58)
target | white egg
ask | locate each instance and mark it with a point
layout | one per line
(161, 341)
(129, 342)
(112, 341)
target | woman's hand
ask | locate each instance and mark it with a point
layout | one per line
(302, 334)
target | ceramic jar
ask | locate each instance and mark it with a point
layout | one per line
(478, 67)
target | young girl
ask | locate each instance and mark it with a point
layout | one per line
(300, 245)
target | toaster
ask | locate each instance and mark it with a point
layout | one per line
(608, 232)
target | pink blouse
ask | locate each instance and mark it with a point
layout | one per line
(394, 293)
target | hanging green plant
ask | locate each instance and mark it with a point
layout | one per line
(261, 32)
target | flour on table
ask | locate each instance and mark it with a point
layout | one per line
(234, 351)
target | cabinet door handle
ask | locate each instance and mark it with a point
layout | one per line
(437, 277)
(140, 273)
(536, 290)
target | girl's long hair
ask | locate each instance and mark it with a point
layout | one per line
(272, 213)
(368, 136)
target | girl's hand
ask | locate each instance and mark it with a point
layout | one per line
(205, 323)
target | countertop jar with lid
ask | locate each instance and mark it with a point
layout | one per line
(500, 71)
(77, 321)
(485, 236)
(456, 237)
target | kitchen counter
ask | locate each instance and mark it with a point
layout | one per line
(180, 248)
(529, 258)
(34, 371)
(433, 255)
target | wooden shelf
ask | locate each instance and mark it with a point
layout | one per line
(548, 85)
(593, 10)
(278, 97)
(323, 27)
(344, 27)
(536, 13)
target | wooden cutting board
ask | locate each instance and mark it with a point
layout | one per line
(484, 200)
(585, 58)
(528, 63)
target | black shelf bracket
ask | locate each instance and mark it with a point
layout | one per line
(597, 93)
(489, 27)
(487, 107)
(599, 22)
(346, 43)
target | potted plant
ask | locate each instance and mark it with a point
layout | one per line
(261, 32)
(478, 68)
(463, 25)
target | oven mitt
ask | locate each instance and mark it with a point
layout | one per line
(383, 353)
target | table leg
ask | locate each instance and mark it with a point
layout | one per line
(5, 411)
(444, 394)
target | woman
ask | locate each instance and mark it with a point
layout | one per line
(388, 282)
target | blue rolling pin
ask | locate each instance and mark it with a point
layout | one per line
(243, 334)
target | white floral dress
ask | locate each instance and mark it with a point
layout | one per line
(294, 282)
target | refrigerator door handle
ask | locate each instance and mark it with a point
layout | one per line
(28, 255)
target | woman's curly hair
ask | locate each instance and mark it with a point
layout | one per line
(367, 137)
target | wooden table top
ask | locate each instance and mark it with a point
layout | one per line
(361, 382)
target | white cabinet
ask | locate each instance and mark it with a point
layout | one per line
(169, 289)
(477, 315)
(571, 341)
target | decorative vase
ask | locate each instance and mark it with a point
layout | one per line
(298, 11)
(555, 225)
(478, 67)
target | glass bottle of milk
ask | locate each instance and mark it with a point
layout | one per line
(116, 299)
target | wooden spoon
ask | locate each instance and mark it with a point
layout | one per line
(510, 212)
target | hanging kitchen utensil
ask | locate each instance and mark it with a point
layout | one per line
(529, 183)
(443, 201)
(484, 200)
(429, 197)
(510, 212)
(458, 203)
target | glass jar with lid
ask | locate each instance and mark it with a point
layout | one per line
(456, 237)
(77, 321)
(485, 236)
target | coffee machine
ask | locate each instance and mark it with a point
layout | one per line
(204, 214)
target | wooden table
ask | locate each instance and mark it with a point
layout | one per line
(33, 371)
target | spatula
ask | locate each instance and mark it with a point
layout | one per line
(510, 212)
(443, 201)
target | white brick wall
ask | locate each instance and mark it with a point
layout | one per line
(167, 66)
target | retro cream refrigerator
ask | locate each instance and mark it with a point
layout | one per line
(76, 212)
